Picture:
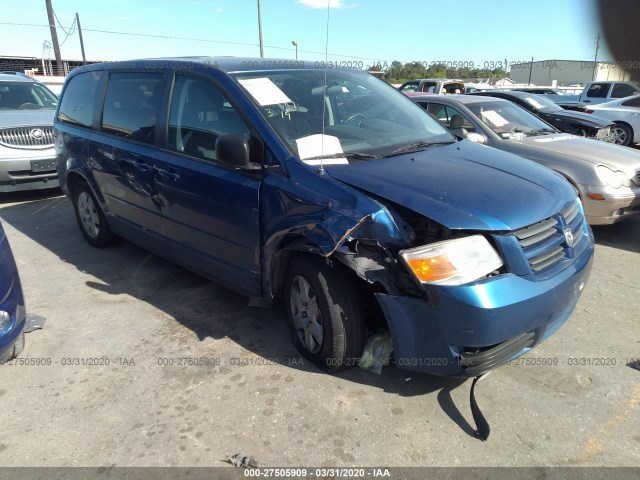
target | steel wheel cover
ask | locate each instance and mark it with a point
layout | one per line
(88, 215)
(307, 318)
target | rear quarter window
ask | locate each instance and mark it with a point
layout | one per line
(622, 90)
(76, 105)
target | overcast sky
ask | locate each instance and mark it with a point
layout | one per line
(360, 30)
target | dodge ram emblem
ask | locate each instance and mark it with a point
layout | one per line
(568, 236)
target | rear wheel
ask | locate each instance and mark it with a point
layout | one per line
(91, 220)
(622, 134)
(323, 307)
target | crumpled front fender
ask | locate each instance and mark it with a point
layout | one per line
(320, 217)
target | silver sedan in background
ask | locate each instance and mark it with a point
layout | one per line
(607, 176)
(625, 112)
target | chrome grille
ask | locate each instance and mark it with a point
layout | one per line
(570, 213)
(544, 243)
(27, 137)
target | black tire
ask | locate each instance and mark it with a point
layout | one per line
(623, 134)
(91, 219)
(340, 314)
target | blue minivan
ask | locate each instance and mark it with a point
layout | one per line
(329, 189)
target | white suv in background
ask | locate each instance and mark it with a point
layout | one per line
(27, 155)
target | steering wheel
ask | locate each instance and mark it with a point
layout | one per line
(352, 117)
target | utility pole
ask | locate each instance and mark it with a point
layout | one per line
(54, 38)
(295, 44)
(260, 30)
(530, 70)
(84, 58)
(595, 59)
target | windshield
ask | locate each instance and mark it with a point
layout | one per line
(26, 96)
(508, 120)
(542, 104)
(356, 112)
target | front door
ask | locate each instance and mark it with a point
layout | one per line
(210, 209)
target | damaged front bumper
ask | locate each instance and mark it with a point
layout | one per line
(468, 330)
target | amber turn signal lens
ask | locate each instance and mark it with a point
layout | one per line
(432, 269)
(595, 196)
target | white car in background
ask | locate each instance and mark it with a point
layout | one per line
(625, 112)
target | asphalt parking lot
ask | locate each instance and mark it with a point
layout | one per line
(147, 364)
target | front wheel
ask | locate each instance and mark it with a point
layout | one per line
(91, 220)
(622, 135)
(323, 307)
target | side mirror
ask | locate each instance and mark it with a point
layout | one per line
(475, 138)
(233, 149)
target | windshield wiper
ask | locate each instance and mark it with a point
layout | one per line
(414, 146)
(353, 155)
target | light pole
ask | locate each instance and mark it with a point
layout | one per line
(295, 44)
(260, 30)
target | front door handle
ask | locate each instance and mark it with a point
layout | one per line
(169, 173)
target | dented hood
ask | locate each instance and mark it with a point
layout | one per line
(463, 186)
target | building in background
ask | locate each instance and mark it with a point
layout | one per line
(566, 72)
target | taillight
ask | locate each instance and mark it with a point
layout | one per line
(589, 111)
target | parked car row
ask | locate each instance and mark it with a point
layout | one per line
(333, 191)
(564, 111)
(606, 176)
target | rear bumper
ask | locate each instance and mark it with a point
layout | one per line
(468, 330)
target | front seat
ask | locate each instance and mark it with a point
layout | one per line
(455, 125)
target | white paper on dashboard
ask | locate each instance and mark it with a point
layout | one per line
(264, 91)
(317, 145)
(495, 118)
(533, 102)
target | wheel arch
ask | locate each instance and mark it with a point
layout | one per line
(630, 127)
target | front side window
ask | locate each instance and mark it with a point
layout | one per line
(451, 118)
(79, 96)
(361, 113)
(131, 105)
(199, 115)
(26, 96)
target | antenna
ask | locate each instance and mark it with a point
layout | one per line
(324, 89)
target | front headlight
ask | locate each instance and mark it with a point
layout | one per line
(452, 262)
(6, 321)
(613, 178)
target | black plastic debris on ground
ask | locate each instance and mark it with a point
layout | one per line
(239, 460)
(634, 363)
